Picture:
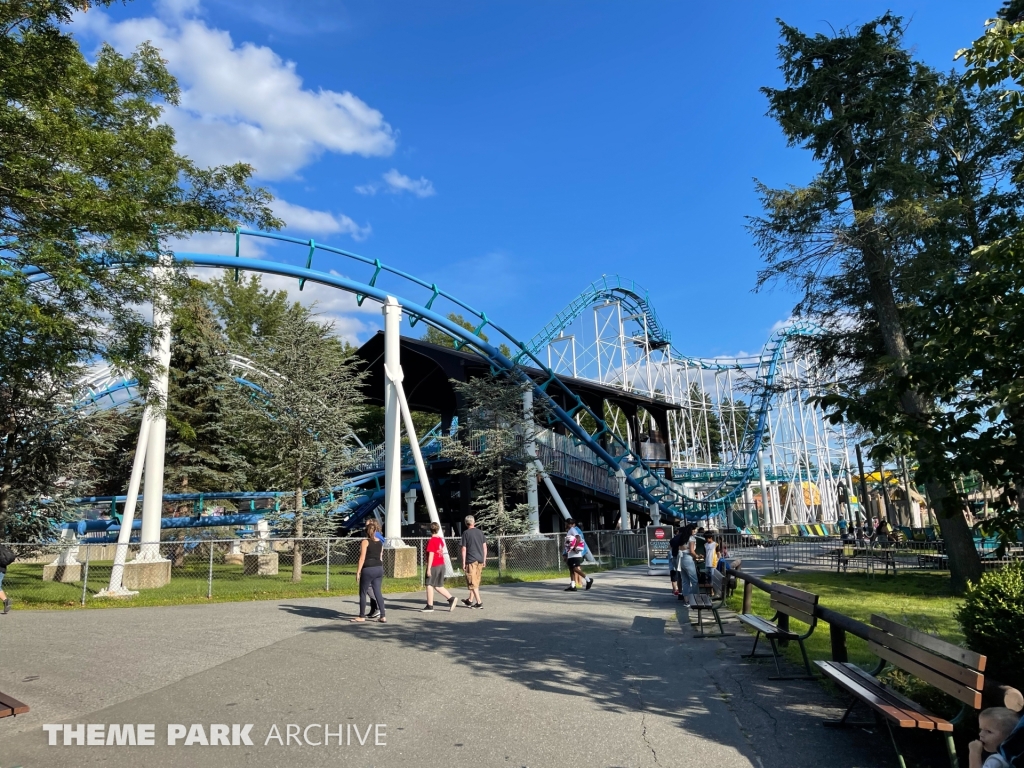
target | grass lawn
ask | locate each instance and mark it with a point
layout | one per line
(189, 585)
(921, 600)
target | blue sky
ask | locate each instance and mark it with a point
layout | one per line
(514, 151)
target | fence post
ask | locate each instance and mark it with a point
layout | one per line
(85, 574)
(838, 637)
(209, 577)
(499, 558)
(422, 564)
(558, 555)
(748, 588)
(327, 586)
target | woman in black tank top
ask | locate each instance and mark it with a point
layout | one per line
(374, 551)
(370, 571)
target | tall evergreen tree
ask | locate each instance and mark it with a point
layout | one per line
(200, 445)
(299, 429)
(489, 449)
(867, 234)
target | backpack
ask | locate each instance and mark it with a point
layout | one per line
(7, 556)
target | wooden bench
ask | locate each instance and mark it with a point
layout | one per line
(786, 601)
(711, 602)
(9, 707)
(953, 670)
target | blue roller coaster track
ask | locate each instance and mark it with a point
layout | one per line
(645, 482)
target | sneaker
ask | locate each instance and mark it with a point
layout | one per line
(467, 602)
(479, 606)
(427, 609)
(374, 615)
(451, 605)
(590, 583)
(570, 589)
(7, 605)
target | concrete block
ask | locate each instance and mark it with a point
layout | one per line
(262, 564)
(147, 574)
(400, 563)
(234, 558)
(62, 573)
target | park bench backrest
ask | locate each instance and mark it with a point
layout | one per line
(950, 668)
(717, 583)
(794, 602)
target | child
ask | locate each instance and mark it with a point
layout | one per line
(710, 554)
(994, 725)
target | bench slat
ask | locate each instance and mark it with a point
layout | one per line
(764, 626)
(902, 701)
(898, 715)
(701, 601)
(11, 706)
(799, 594)
(794, 611)
(934, 644)
(963, 675)
(967, 695)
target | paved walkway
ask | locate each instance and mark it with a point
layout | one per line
(610, 677)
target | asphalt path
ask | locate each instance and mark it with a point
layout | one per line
(610, 677)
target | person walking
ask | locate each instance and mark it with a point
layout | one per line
(474, 560)
(435, 570)
(370, 571)
(7, 556)
(686, 563)
(574, 548)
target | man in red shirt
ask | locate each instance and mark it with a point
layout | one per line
(435, 570)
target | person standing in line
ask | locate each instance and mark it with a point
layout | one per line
(574, 549)
(435, 570)
(474, 560)
(7, 556)
(370, 571)
(675, 544)
(374, 610)
(687, 564)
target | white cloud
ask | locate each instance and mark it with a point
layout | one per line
(297, 217)
(351, 322)
(396, 183)
(244, 102)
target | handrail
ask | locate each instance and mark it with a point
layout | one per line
(996, 694)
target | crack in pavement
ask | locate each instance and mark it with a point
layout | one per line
(637, 690)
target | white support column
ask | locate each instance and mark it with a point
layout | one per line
(655, 511)
(392, 426)
(153, 489)
(532, 499)
(624, 524)
(748, 505)
(417, 456)
(116, 588)
(766, 516)
(410, 506)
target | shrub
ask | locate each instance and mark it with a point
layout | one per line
(992, 620)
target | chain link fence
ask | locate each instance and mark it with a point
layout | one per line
(186, 570)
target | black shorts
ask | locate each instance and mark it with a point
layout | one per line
(574, 562)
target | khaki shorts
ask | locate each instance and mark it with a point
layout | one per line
(473, 571)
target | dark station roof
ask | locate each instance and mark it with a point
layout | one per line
(428, 367)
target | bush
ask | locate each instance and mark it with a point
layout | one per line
(992, 620)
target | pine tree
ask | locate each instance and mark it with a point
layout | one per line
(299, 428)
(200, 446)
(489, 449)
